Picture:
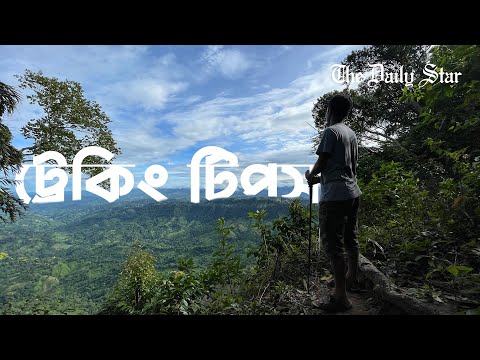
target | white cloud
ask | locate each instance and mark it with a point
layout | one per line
(262, 119)
(231, 63)
(114, 76)
(149, 93)
(292, 152)
(261, 87)
(143, 141)
(87, 64)
(269, 126)
(337, 52)
(191, 99)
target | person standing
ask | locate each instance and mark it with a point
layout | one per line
(339, 199)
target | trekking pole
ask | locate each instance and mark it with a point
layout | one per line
(310, 188)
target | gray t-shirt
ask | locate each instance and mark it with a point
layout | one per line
(338, 179)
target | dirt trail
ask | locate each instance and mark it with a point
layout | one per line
(299, 301)
(362, 302)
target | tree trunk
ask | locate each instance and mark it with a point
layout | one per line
(137, 299)
(388, 292)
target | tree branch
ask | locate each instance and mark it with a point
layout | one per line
(391, 139)
(367, 149)
(27, 148)
(416, 105)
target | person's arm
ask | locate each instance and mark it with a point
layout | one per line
(320, 164)
(324, 152)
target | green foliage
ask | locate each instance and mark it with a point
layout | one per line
(70, 121)
(392, 200)
(378, 114)
(179, 293)
(225, 267)
(458, 195)
(282, 255)
(277, 280)
(137, 282)
(449, 125)
(458, 270)
(226, 286)
(9, 98)
(262, 253)
(419, 209)
(224, 277)
(452, 108)
(10, 158)
(188, 291)
(84, 244)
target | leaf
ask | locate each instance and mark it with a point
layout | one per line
(453, 270)
(326, 278)
(456, 270)
(421, 257)
(472, 243)
(458, 201)
(464, 268)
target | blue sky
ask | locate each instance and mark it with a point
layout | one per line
(166, 102)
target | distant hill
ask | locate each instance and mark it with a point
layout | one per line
(137, 196)
(68, 255)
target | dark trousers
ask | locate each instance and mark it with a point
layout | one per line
(338, 224)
